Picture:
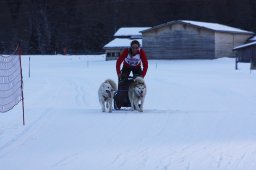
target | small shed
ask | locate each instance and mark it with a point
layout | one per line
(184, 39)
(246, 53)
(115, 47)
(122, 39)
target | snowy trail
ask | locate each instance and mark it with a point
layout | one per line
(191, 120)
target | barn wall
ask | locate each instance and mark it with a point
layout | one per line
(179, 41)
(241, 39)
(225, 42)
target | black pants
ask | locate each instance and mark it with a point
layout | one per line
(125, 72)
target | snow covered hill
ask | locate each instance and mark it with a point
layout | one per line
(199, 115)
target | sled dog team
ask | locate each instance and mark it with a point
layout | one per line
(136, 93)
(132, 59)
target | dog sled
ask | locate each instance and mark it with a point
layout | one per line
(121, 98)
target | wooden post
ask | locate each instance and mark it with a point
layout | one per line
(236, 62)
(22, 97)
(29, 67)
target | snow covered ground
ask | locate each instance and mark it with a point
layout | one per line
(199, 115)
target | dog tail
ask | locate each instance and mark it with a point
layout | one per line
(112, 83)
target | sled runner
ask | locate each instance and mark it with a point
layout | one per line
(121, 98)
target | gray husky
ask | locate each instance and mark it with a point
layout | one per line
(137, 92)
(106, 94)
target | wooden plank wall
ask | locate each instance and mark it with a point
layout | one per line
(225, 42)
(179, 41)
(245, 54)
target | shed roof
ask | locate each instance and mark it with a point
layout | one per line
(253, 38)
(130, 31)
(120, 43)
(212, 26)
(245, 45)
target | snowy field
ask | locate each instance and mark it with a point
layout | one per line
(199, 115)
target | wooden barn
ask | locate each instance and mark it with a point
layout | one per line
(122, 39)
(183, 39)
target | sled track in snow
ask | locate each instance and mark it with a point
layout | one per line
(28, 132)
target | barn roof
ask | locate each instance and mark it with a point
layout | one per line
(120, 43)
(129, 31)
(207, 25)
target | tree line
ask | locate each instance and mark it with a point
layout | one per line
(84, 27)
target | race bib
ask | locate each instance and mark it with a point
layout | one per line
(133, 60)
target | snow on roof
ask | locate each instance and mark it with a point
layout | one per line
(120, 42)
(130, 31)
(253, 38)
(207, 25)
(216, 26)
(245, 45)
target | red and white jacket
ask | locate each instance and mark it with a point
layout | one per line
(132, 61)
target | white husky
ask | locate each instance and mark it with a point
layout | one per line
(137, 92)
(106, 94)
